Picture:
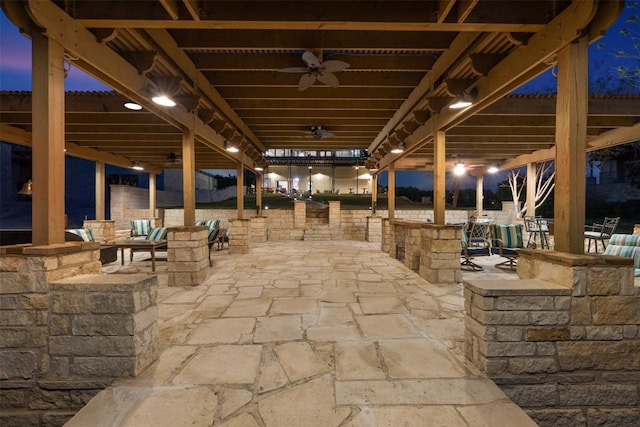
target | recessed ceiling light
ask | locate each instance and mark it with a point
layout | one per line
(164, 100)
(492, 169)
(132, 106)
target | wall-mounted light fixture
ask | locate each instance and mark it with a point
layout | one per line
(27, 188)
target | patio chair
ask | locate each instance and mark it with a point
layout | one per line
(108, 253)
(626, 245)
(475, 242)
(506, 241)
(537, 228)
(601, 232)
(155, 234)
(140, 228)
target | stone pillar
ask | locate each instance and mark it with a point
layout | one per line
(335, 220)
(299, 214)
(104, 326)
(103, 231)
(374, 229)
(258, 229)
(386, 235)
(239, 236)
(511, 209)
(562, 342)
(187, 255)
(440, 260)
(412, 248)
(26, 273)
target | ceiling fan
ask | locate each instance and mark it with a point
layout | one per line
(316, 70)
(318, 132)
(173, 159)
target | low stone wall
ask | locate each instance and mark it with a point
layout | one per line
(103, 231)
(66, 333)
(187, 255)
(374, 229)
(564, 341)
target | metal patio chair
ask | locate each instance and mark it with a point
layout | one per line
(601, 232)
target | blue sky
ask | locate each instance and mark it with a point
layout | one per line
(15, 74)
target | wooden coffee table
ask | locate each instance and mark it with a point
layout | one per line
(150, 245)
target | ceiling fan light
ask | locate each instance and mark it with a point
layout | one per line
(459, 169)
(164, 100)
(132, 106)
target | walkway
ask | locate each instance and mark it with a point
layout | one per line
(297, 334)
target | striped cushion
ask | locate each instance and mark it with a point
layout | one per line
(625, 245)
(140, 227)
(509, 234)
(213, 234)
(85, 233)
(159, 233)
(210, 223)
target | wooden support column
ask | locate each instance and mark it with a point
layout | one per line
(240, 190)
(47, 140)
(391, 190)
(479, 194)
(152, 195)
(571, 145)
(259, 178)
(188, 178)
(374, 191)
(100, 196)
(439, 178)
(531, 189)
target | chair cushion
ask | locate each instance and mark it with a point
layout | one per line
(140, 227)
(509, 234)
(625, 245)
(85, 233)
(213, 234)
(210, 223)
(159, 233)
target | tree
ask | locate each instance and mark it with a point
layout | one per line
(545, 181)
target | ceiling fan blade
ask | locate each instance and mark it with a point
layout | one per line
(328, 135)
(306, 81)
(310, 59)
(333, 66)
(294, 70)
(328, 79)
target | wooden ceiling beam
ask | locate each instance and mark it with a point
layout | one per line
(366, 40)
(315, 93)
(240, 61)
(315, 114)
(314, 104)
(347, 79)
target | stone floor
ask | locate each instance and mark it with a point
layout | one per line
(297, 334)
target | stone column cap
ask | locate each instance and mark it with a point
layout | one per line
(515, 287)
(105, 282)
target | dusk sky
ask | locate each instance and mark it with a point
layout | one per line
(15, 74)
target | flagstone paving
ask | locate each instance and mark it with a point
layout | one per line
(297, 334)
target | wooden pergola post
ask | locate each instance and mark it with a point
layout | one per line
(391, 190)
(152, 195)
(259, 178)
(188, 177)
(100, 196)
(531, 189)
(240, 190)
(48, 108)
(571, 145)
(479, 194)
(439, 178)
(374, 191)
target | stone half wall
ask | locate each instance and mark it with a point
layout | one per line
(66, 331)
(564, 341)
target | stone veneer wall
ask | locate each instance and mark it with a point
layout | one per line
(564, 342)
(258, 229)
(64, 334)
(374, 229)
(440, 253)
(239, 236)
(104, 231)
(187, 255)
